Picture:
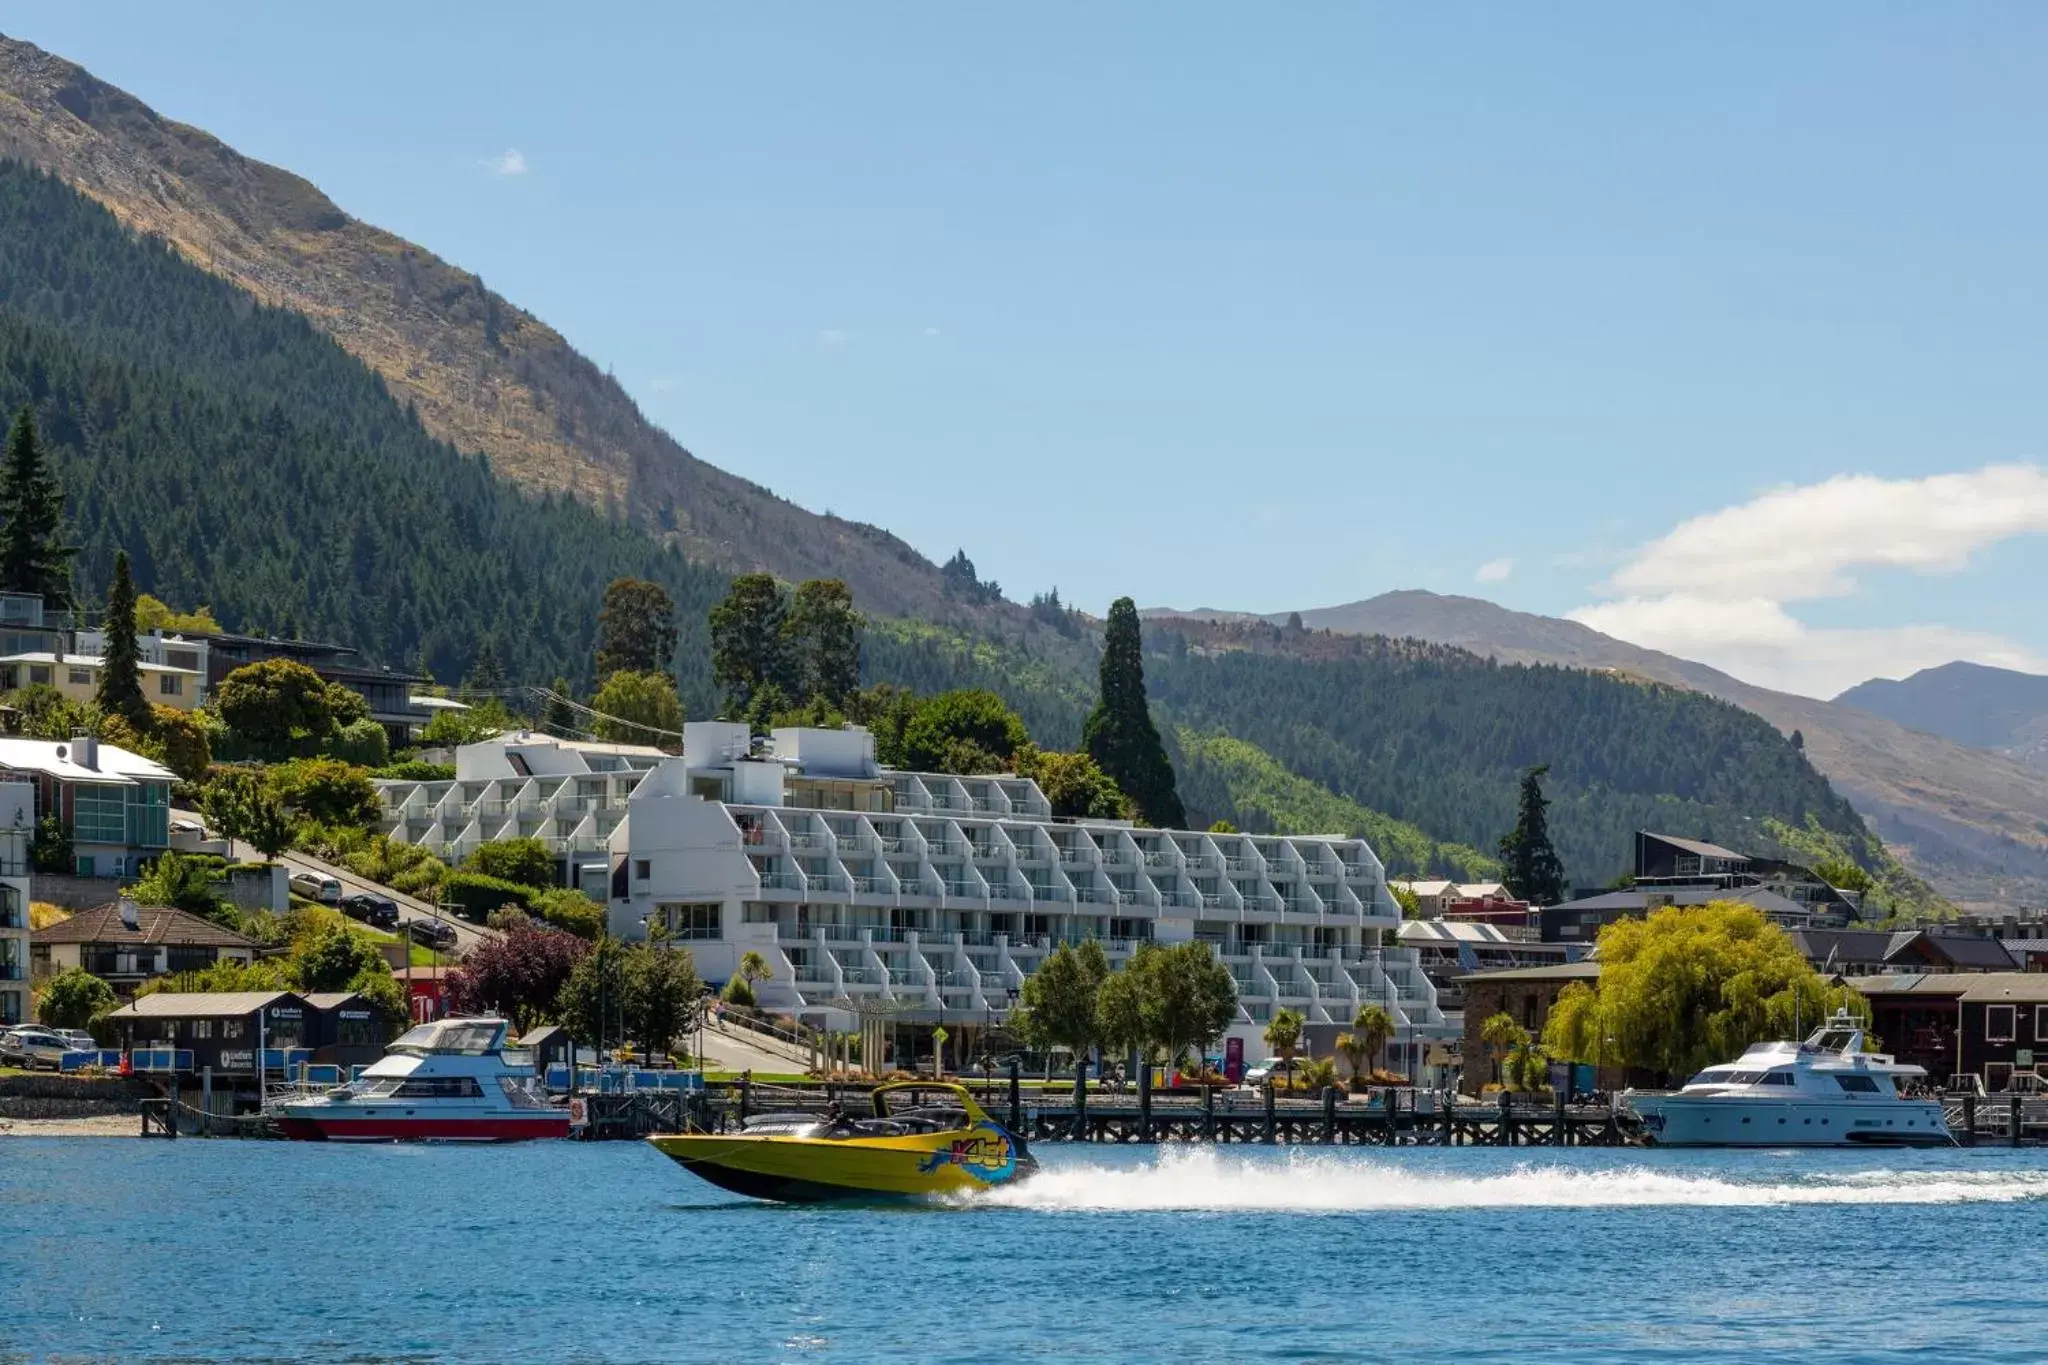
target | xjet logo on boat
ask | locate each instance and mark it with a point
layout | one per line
(987, 1156)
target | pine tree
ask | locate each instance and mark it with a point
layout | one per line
(120, 691)
(1119, 733)
(1529, 865)
(32, 555)
(486, 674)
(559, 719)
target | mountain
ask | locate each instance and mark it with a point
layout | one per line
(1437, 737)
(1974, 704)
(484, 375)
(1973, 823)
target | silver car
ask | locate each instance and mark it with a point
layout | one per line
(30, 1048)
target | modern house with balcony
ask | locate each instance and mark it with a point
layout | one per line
(77, 678)
(929, 898)
(116, 804)
(569, 794)
(125, 944)
(17, 821)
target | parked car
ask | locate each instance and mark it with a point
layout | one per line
(378, 911)
(431, 932)
(80, 1040)
(315, 887)
(30, 1048)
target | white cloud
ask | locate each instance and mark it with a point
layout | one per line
(832, 336)
(1716, 587)
(513, 162)
(931, 331)
(1494, 571)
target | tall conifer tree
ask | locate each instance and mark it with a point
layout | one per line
(1119, 733)
(1529, 865)
(33, 557)
(120, 690)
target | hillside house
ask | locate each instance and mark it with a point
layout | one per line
(125, 944)
(116, 804)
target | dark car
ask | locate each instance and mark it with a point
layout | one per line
(380, 911)
(431, 932)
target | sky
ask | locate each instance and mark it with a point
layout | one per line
(1718, 328)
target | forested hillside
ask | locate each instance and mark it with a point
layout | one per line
(246, 462)
(1435, 737)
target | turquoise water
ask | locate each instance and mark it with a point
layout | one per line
(124, 1250)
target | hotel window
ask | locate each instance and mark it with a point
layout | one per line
(169, 684)
(80, 677)
(642, 869)
(1998, 1023)
(39, 673)
(693, 921)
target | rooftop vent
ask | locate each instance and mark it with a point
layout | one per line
(130, 916)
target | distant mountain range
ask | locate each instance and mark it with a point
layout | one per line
(1973, 822)
(1987, 708)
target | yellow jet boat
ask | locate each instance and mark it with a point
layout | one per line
(947, 1146)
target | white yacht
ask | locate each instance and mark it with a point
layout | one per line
(1824, 1092)
(449, 1081)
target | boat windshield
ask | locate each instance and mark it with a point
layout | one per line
(1834, 1040)
(1782, 1076)
(467, 1037)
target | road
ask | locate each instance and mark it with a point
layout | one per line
(410, 908)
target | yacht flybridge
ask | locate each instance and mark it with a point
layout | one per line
(1824, 1092)
(449, 1081)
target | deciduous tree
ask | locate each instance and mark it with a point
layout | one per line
(519, 975)
(966, 731)
(73, 998)
(748, 643)
(821, 642)
(639, 708)
(636, 629)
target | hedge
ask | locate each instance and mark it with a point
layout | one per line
(475, 895)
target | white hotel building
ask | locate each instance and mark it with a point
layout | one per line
(921, 895)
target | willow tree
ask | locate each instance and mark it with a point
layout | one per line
(1689, 987)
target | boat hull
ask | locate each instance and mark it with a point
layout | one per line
(483, 1128)
(1678, 1121)
(802, 1170)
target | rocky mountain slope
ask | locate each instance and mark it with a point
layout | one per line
(1975, 823)
(485, 375)
(1987, 708)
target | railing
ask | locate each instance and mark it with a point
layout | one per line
(1162, 859)
(1077, 857)
(781, 881)
(874, 886)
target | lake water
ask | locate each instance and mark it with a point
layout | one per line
(122, 1250)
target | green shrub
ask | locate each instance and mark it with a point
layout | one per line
(563, 908)
(361, 742)
(475, 895)
(526, 861)
(326, 790)
(417, 770)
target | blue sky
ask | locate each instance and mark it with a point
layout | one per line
(1261, 311)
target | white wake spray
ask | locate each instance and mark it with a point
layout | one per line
(1205, 1179)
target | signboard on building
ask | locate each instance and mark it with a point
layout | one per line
(1233, 1059)
(237, 1061)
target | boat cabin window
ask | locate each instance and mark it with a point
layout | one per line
(468, 1037)
(1757, 1078)
(1835, 1040)
(1857, 1085)
(438, 1088)
(1712, 1076)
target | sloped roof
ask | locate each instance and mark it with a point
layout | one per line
(154, 924)
(1991, 988)
(1586, 969)
(1964, 950)
(331, 1000)
(199, 1004)
(115, 764)
(1705, 850)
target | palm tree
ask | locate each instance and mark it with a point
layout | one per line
(1356, 1049)
(754, 967)
(1528, 1065)
(1501, 1034)
(1374, 1025)
(1283, 1035)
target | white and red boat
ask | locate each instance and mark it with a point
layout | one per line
(448, 1081)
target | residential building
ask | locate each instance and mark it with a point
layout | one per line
(1431, 894)
(77, 676)
(1673, 871)
(27, 627)
(1990, 1025)
(570, 794)
(17, 821)
(125, 944)
(1450, 950)
(1868, 952)
(116, 804)
(929, 898)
